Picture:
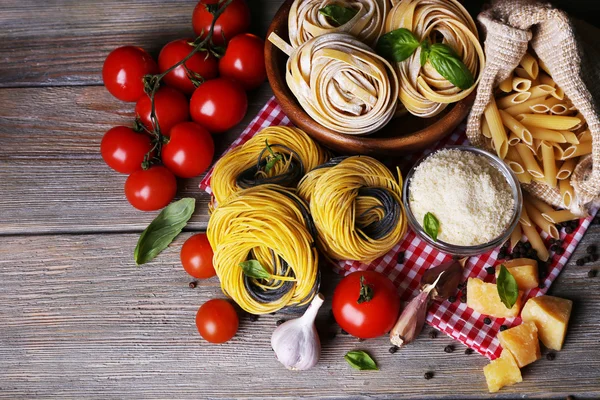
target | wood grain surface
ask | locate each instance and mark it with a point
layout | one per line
(79, 320)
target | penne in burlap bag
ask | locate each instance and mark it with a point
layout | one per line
(512, 25)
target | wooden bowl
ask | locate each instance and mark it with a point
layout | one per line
(401, 135)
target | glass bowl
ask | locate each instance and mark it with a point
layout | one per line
(457, 250)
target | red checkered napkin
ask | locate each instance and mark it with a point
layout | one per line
(455, 319)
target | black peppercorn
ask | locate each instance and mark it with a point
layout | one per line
(527, 245)
(449, 349)
(591, 249)
(193, 284)
(462, 285)
(501, 254)
(468, 351)
(580, 262)
(551, 356)
(452, 299)
(463, 298)
(560, 251)
(554, 247)
(253, 317)
(542, 285)
(569, 230)
(487, 321)
(592, 273)
(503, 328)
(574, 224)
(280, 321)
(490, 270)
(393, 349)
(432, 334)
(428, 375)
(400, 258)
(588, 259)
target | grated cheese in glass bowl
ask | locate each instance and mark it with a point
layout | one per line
(475, 198)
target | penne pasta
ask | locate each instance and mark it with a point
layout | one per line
(548, 135)
(530, 65)
(558, 93)
(523, 108)
(559, 109)
(576, 150)
(570, 137)
(499, 138)
(566, 191)
(549, 163)
(585, 136)
(556, 217)
(536, 217)
(541, 91)
(513, 139)
(521, 84)
(558, 122)
(506, 85)
(558, 151)
(539, 204)
(566, 169)
(529, 161)
(536, 242)
(544, 105)
(485, 129)
(545, 78)
(513, 99)
(580, 125)
(516, 127)
(515, 236)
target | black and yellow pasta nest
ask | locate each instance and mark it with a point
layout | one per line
(356, 204)
(270, 224)
(248, 165)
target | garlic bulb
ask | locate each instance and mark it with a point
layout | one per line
(296, 342)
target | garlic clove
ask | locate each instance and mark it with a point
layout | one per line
(296, 342)
(411, 321)
(448, 276)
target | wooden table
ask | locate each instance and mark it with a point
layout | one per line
(78, 319)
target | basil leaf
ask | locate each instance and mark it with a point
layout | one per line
(431, 225)
(397, 45)
(360, 360)
(275, 157)
(338, 14)
(165, 227)
(448, 64)
(507, 287)
(425, 49)
(254, 269)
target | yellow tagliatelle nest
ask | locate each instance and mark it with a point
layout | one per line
(270, 224)
(356, 204)
(341, 83)
(423, 91)
(306, 22)
(245, 165)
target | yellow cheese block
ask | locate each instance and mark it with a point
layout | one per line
(524, 270)
(483, 297)
(502, 372)
(522, 341)
(551, 317)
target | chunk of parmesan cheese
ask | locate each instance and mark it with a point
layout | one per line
(471, 199)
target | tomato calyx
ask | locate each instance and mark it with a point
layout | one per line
(366, 292)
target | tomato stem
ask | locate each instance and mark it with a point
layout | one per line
(366, 291)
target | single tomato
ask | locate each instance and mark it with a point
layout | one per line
(123, 72)
(217, 321)
(366, 304)
(190, 150)
(202, 63)
(123, 149)
(234, 20)
(151, 189)
(196, 257)
(170, 105)
(218, 105)
(244, 61)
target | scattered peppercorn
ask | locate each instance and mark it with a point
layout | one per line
(487, 321)
(551, 356)
(193, 284)
(393, 349)
(542, 285)
(588, 259)
(449, 349)
(490, 270)
(503, 328)
(253, 317)
(592, 273)
(280, 321)
(344, 332)
(594, 257)
(428, 375)
(452, 299)
(569, 230)
(400, 258)
(591, 249)
(463, 298)
(554, 247)
(361, 339)
(468, 351)
(580, 262)
(527, 245)
(560, 251)
(462, 285)
(432, 334)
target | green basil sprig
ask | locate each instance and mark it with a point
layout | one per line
(275, 158)
(165, 227)
(400, 44)
(338, 14)
(507, 287)
(431, 225)
(254, 269)
(360, 360)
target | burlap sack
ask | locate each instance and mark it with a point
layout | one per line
(510, 25)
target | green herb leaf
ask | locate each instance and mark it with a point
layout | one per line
(254, 269)
(425, 48)
(445, 61)
(338, 14)
(397, 45)
(507, 287)
(431, 225)
(360, 360)
(275, 158)
(165, 227)
(366, 291)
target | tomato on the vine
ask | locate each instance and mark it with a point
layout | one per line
(170, 105)
(234, 20)
(190, 150)
(151, 189)
(123, 149)
(202, 63)
(366, 304)
(123, 72)
(196, 257)
(218, 105)
(244, 61)
(217, 321)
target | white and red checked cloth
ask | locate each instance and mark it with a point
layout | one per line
(455, 319)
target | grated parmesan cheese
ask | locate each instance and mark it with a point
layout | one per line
(470, 198)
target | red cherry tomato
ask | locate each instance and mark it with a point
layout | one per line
(196, 257)
(218, 105)
(190, 150)
(234, 20)
(170, 105)
(123, 149)
(370, 318)
(244, 61)
(202, 63)
(217, 321)
(123, 71)
(150, 189)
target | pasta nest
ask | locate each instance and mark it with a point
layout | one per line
(423, 91)
(272, 225)
(244, 166)
(341, 83)
(356, 204)
(305, 22)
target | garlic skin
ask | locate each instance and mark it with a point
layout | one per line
(296, 342)
(411, 321)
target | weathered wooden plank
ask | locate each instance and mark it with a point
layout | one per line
(78, 319)
(65, 42)
(52, 177)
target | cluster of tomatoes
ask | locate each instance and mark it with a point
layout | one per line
(195, 90)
